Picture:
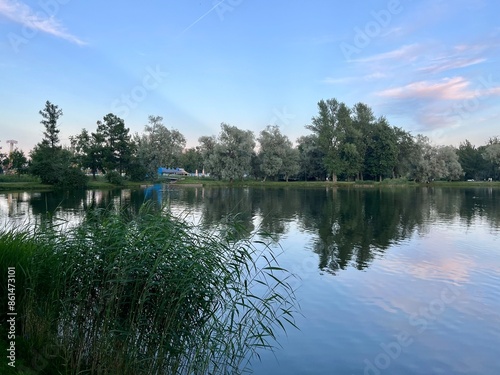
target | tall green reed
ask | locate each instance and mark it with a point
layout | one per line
(149, 294)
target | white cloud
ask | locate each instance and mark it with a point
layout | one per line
(408, 52)
(19, 12)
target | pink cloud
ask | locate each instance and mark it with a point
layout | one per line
(449, 89)
(447, 64)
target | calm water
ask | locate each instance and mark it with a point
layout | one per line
(402, 281)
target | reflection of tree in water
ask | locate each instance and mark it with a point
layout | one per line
(352, 225)
(355, 224)
(220, 204)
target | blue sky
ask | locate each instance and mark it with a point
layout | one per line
(430, 67)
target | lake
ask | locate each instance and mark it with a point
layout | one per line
(402, 280)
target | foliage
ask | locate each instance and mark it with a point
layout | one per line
(49, 161)
(471, 159)
(275, 154)
(15, 162)
(228, 156)
(50, 115)
(117, 147)
(491, 153)
(158, 146)
(381, 152)
(192, 160)
(311, 159)
(89, 150)
(145, 294)
(115, 178)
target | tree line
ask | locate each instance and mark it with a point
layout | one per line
(345, 143)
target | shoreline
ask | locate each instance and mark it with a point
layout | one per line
(200, 182)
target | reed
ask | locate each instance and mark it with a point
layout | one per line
(148, 294)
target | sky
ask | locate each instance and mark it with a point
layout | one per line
(430, 66)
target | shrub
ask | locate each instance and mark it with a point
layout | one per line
(73, 178)
(114, 178)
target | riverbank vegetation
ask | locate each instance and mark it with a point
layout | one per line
(345, 144)
(143, 293)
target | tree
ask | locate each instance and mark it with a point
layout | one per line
(118, 147)
(381, 154)
(491, 153)
(405, 153)
(228, 156)
(211, 164)
(273, 150)
(89, 150)
(158, 146)
(329, 136)
(234, 150)
(311, 158)
(290, 166)
(51, 162)
(450, 165)
(471, 159)
(363, 120)
(50, 114)
(192, 160)
(18, 161)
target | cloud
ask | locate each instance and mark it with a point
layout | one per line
(408, 52)
(448, 64)
(350, 79)
(456, 88)
(38, 20)
(448, 89)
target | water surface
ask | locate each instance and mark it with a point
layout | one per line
(392, 281)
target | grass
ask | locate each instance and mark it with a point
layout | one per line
(143, 294)
(21, 182)
(12, 182)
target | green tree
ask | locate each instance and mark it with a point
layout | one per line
(192, 160)
(406, 150)
(49, 160)
(329, 135)
(381, 154)
(363, 120)
(472, 161)
(18, 161)
(89, 150)
(228, 156)
(211, 164)
(50, 115)
(234, 150)
(118, 147)
(311, 158)
(291, 163)
(273, 150)
(491, 153)
(158, 146)
(450, 164)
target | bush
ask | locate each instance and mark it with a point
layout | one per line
(73, 178)
(113, 177)
(148, 294)
(137, 172)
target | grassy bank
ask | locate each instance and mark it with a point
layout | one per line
(12, 183)
(207, 182)
(22, 182)
(142, 294)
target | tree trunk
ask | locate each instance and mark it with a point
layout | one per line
(334, 177)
